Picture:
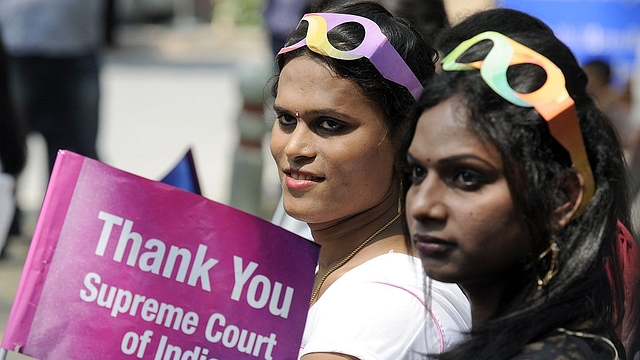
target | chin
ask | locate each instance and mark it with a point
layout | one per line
(439, 275)
(297, 213)
(302, 210)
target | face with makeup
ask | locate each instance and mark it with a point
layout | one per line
(330, 143)
(459, 207)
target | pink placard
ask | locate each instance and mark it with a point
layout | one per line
(125, 267)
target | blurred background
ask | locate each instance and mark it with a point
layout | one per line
(176, 75)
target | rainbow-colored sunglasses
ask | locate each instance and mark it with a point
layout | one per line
(375, 47)
(551, 100)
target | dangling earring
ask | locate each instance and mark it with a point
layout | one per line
(552, 250)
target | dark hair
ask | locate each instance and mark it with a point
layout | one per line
(393, 98)
(536, 166)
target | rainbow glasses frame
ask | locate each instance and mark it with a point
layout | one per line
(375, 46)
(551, 100)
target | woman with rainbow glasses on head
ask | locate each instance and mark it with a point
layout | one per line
(517, 193)
(347, 78)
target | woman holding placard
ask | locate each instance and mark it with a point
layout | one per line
(347, 77)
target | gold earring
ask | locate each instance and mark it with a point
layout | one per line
(400, 198)
(553, 267)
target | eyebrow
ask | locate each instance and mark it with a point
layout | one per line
(453, 159)
(279, 109)
(319, 112)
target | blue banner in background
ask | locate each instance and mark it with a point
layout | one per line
(602, 29)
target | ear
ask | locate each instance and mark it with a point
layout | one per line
(573, 188)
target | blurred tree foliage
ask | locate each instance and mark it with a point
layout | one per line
(238, 12)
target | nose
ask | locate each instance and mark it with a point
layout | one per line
(426, 201)
(300, 144)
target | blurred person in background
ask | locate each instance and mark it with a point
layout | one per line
(12, 153)
(428, 16)
(281, 18)
(54, 49)
(618, 106)
(612, 102)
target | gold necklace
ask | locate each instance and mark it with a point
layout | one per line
(316, 291)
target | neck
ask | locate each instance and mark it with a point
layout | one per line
(339, 237)
(483, 302)
(486, 296)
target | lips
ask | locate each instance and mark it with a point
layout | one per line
(296, 180)
(429, 246)
(301, 176)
